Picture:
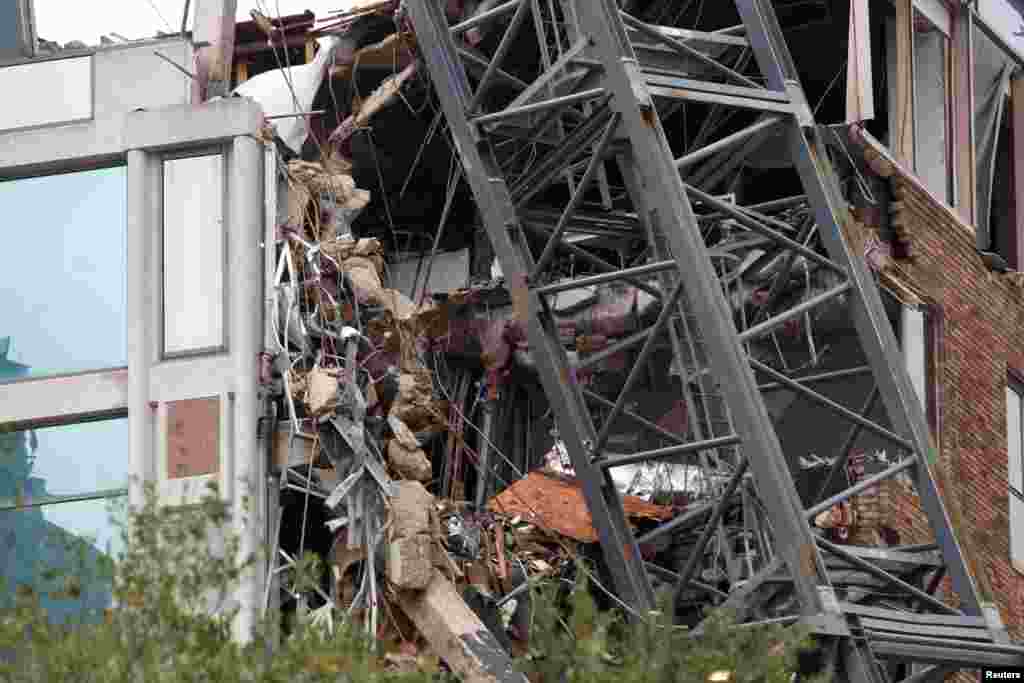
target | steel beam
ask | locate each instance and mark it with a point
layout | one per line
(844, 451)
(610, 461)
(697, 552)
(497, 208)
(862, 485)
(829, 403)
(872, 323)
(727, 142)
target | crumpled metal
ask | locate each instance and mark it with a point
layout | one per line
(463, 537)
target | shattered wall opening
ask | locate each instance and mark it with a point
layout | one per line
(401, 384)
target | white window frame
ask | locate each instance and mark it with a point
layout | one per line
(1015, 468)
(914, 345)
(219, 339)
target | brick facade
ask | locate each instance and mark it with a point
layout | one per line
(982, 336)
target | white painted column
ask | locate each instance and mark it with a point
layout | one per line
(245, 258)
(143, 222)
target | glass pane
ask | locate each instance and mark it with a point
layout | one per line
(193, 239)
(71, 540)
(60, 461)
(931, 156)
(71, 316)
(61, 92)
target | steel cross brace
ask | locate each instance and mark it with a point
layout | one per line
(728, 417)
(497, 208)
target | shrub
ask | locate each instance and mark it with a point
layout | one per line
(173, 587)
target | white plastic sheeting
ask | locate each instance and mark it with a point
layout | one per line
(271, 90)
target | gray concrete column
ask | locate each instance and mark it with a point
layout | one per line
(142, 287)
(245, 291)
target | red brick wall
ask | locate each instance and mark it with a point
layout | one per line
(983, 335)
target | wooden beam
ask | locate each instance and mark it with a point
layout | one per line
(903, 135)
(241, 73)
(860, 101)
(457, 635)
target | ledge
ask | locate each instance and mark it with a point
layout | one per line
(184, 125)
(885, 165)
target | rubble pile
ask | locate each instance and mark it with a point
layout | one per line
(416, 426)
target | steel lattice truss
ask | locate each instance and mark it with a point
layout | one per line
(568, 161)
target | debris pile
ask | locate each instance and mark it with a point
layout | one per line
(416, 425)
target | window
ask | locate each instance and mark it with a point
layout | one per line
(1015, 470)
(932, 152)
(915, 350)
(57, 487)
(193, 254)
(68, 316)
(918, 59)
(996, 106)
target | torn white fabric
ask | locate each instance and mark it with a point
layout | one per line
(272, 92)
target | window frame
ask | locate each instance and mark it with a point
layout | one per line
(15, 506)
(1015, 494)
(902, 90)
(1015, 247)
(89, 373)
(1015, 384)
(95, 494)
(933, 328)
(918, 7)
(218, 150)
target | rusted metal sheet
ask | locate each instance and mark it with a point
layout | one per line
(556, 504)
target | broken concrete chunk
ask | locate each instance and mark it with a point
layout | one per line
(322, 391)
(403, 434)
(365, 277)
(409, 463)
(411, 506)
(299, 197)
(410, 563)
(414, 404)
(297, 383)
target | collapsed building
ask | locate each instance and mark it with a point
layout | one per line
(545, 275)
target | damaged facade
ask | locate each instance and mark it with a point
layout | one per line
(319, 318)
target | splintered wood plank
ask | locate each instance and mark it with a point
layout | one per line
(456, 634)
